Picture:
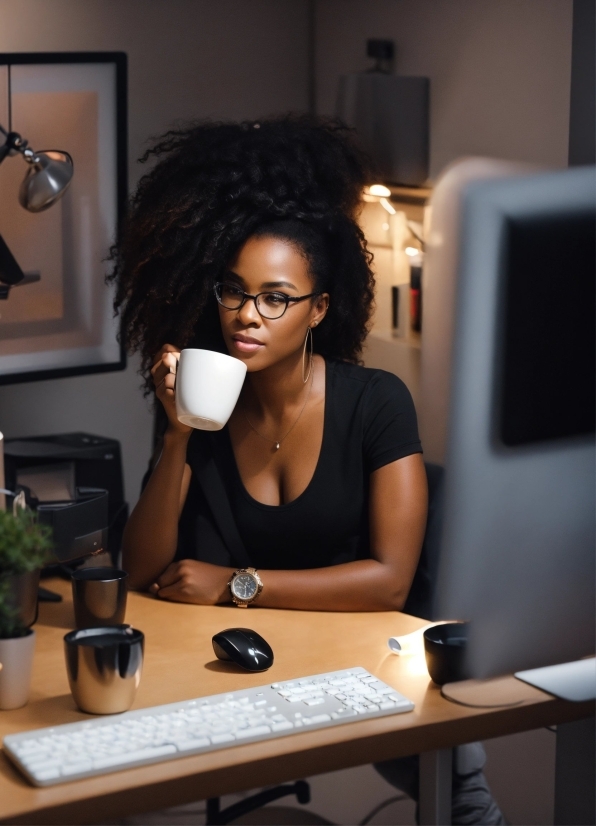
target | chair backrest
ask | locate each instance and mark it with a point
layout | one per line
(420, 601)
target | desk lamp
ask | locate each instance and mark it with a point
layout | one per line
(48, 176)
(46, 180)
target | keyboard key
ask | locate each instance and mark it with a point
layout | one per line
(77, 768)
(195, 743)
(48, 774)
(320, 718)
(45, 764)
(133, 757)
(252, 732)
(282, 726)
(222, 738)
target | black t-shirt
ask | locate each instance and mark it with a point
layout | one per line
(369, 422)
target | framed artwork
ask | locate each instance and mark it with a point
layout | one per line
(59, 320)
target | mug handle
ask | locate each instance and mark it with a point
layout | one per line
(174, 370)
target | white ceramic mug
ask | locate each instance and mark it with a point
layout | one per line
(207, 388)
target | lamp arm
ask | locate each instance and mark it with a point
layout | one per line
(5, 149)
(13, 143)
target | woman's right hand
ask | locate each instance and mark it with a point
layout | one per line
(163, 372)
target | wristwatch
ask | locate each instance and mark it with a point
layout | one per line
(245, 586)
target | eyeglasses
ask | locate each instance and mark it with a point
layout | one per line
(269, 305)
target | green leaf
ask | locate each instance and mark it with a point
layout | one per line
(25, 545)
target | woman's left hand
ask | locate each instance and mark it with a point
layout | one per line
(192, 581)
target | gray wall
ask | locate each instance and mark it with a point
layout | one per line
(187, 59)
(499, 69)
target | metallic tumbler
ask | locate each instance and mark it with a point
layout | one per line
(99, 597)
(23, 596)
(104, 667)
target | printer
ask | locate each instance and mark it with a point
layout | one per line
(72, 470)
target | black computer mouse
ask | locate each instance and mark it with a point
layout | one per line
(244, 647)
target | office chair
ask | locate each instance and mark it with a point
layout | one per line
(215, 815)
(419, 603)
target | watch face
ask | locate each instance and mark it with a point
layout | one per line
(244, 586)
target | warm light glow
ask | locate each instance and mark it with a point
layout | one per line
(412, 251)
(379, 190)
(413, 642)
(386, 205)
(385, 227)
(408, 644)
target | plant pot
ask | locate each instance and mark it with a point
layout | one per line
(16, 659)
(23, 595)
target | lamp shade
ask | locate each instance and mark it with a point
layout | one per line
(46, 180)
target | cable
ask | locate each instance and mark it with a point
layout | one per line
(380, 808)
(9, 78)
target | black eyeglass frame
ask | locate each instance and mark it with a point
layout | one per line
(246, 296)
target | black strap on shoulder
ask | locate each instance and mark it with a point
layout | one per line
(204, 467)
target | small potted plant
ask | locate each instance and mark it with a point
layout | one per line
(25, 547)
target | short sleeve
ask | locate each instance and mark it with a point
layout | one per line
(390, 424)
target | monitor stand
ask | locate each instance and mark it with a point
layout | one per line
(494, 692)
(575, 681)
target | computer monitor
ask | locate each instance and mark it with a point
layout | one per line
(517, 552)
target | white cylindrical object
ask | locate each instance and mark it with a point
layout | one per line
(207, 388)
(16, 660)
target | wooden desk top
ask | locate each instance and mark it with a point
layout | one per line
(180, 664)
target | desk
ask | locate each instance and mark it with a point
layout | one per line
(179, 665)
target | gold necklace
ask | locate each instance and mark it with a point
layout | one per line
(277, 442)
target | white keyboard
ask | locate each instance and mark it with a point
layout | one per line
(151, 735)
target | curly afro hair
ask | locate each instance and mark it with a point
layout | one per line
(214, 185)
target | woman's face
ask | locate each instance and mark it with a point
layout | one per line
(270, 265)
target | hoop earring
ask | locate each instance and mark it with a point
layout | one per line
(305, 379)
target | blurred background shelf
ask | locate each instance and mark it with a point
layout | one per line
(396, 354)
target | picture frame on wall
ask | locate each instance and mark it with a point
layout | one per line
(59, 320)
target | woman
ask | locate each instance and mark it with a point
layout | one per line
(334, 518)
(243, 238)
